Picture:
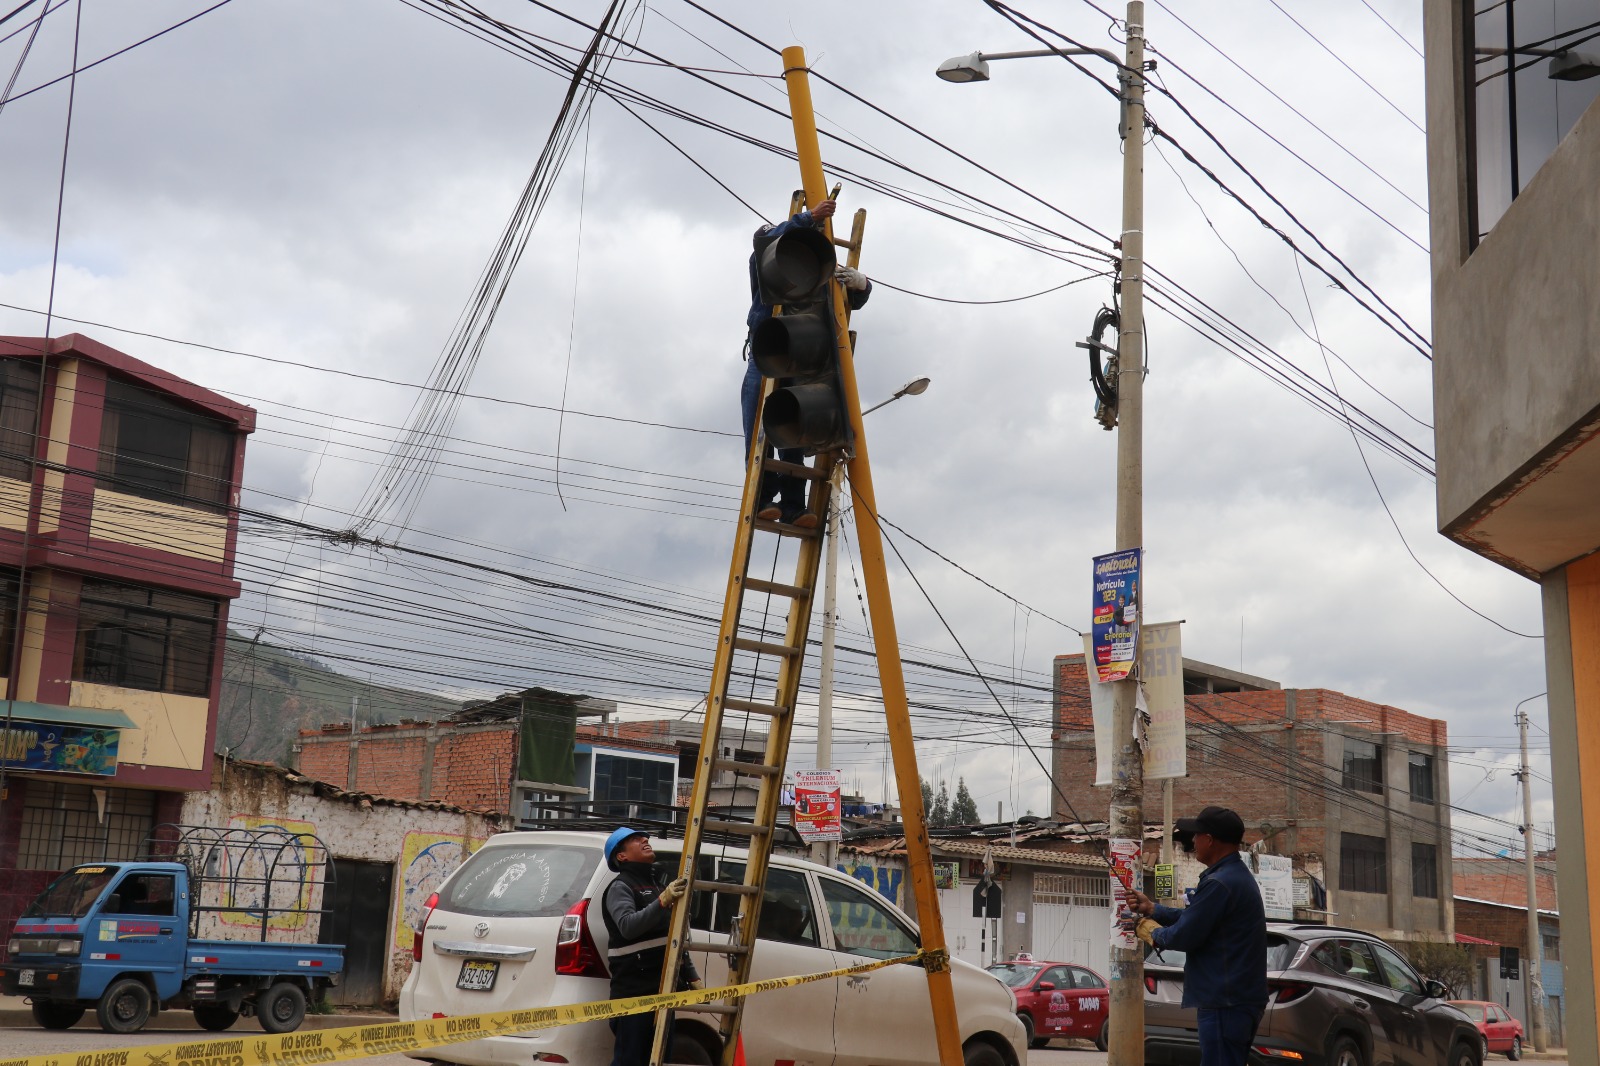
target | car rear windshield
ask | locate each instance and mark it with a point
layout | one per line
(522, 880)
(72, 894)
(1280, 952)
(1014, 974)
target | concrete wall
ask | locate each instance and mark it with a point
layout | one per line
(423, 844)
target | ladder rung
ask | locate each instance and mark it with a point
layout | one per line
(795, 592)
(726, 887)
(749, 769)
(717, 825)
(800, 470)
(764, 647)
(785, 530)
(716, 949)
(845, 242)
(771, 711)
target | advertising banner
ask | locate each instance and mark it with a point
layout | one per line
(1275, 875)
(52, 746)
(1115, 613)
(1126, 874)
(1160, 696)
(817, 805)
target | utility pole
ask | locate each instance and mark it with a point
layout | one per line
(1535, 940)
(827, 852)
(1126, 1042)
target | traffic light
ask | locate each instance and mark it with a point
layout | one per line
(798, 345)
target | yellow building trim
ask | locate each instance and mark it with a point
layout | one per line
(42, 588)
(13, 504)
(59, 445)
(162, 526)
(171, 728)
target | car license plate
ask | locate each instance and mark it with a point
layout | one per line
(477, 975)
(25, 977)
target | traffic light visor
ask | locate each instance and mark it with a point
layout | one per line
(805, 416)
(795, 266)
(794, 346)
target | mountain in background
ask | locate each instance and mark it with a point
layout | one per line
(270, 693)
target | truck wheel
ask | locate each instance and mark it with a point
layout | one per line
(124, 1006)
(56, 1015)
(215, 1016)
(281, 1008)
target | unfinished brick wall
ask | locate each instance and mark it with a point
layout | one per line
(469, 766)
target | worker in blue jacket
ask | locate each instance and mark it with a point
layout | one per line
(1223, 932)
(637, 909)
(783, 497)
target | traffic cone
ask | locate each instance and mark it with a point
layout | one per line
(738, 1050)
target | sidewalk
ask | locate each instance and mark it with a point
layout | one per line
(15, 1014)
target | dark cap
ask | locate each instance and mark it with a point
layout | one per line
(1221, 823)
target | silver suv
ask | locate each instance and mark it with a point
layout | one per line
(1335, 997)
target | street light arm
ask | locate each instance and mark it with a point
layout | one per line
(1108, 56)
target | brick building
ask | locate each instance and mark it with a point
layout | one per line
(117, 522)
(1354, 789)
(1491, 902)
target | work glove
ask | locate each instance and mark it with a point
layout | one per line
(696, 985)
(674, 892)
(1145, 929)
(850, 278)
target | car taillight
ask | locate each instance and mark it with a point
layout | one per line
(1288, 991)
(1150, 984)
(576, 953)
(422, 927)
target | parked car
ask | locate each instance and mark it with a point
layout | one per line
(1501, 1032)
(1335, 997)
(517, 926)
(1056, 999)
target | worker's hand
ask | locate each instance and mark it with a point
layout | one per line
(1138, 902)
(674, 892)
(850, 278)
(696, 985)
(1145, 929)
(822, 212)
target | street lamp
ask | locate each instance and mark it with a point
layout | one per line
(1127, 796)
(827, 852)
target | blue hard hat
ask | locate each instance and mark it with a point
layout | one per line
(614, 841)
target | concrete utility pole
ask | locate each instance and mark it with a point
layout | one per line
(1535, 940)
(1126, 1042)
(827, 852)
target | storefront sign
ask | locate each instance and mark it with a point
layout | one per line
(1115, 613)
(59, 748)
(817, 805)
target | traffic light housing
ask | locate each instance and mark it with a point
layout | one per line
(798, 344)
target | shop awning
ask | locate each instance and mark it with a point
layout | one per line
(49, 712)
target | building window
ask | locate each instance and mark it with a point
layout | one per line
(1425, 871)
(1552, 946)
(1421, 777)
(144, 638)
(1363, 766)
(152, 447)
(8, 617)
(19, 404)
(1363, 863)
(640, 784)
(62, 825)
(1517, 110)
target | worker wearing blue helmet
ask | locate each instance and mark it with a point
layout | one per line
(637, 908)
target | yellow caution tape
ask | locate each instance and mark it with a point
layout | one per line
(361, 1041)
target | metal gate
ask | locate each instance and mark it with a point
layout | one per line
(1072, 919)
(358, 917)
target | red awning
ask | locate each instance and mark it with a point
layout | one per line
(1463, 938)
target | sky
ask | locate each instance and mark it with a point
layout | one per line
(322, 184)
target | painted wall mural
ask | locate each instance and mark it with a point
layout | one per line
(426, 859)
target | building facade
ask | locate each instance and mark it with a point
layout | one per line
(1355, 793)
(1491, 900)
(1513, 160)
(118, 528)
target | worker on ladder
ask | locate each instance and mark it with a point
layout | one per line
(783, 496)
(637, 909)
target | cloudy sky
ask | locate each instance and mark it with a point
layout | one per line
(321, 184)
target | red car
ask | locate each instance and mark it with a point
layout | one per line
(1056, 999)
(1501, 1032)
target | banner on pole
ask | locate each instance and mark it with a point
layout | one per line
(1127, 874)
(1115, 613)
(1160, 696)
(817, 806)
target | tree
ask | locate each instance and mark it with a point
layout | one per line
(940, 815)
(1449, 964)
(964, 811)
(927, 798)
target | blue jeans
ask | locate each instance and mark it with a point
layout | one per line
(788, 490)
(1225, 1035)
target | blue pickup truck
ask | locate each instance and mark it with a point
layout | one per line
(119, 937)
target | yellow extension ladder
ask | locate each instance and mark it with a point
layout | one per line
(742, 651)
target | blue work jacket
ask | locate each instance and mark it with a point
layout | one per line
(1223, 932)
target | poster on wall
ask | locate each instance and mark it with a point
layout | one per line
(1126, 875)
(57, 748)
(946, 875)
(1275, 875)
(817, 805)
(1115, 614)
